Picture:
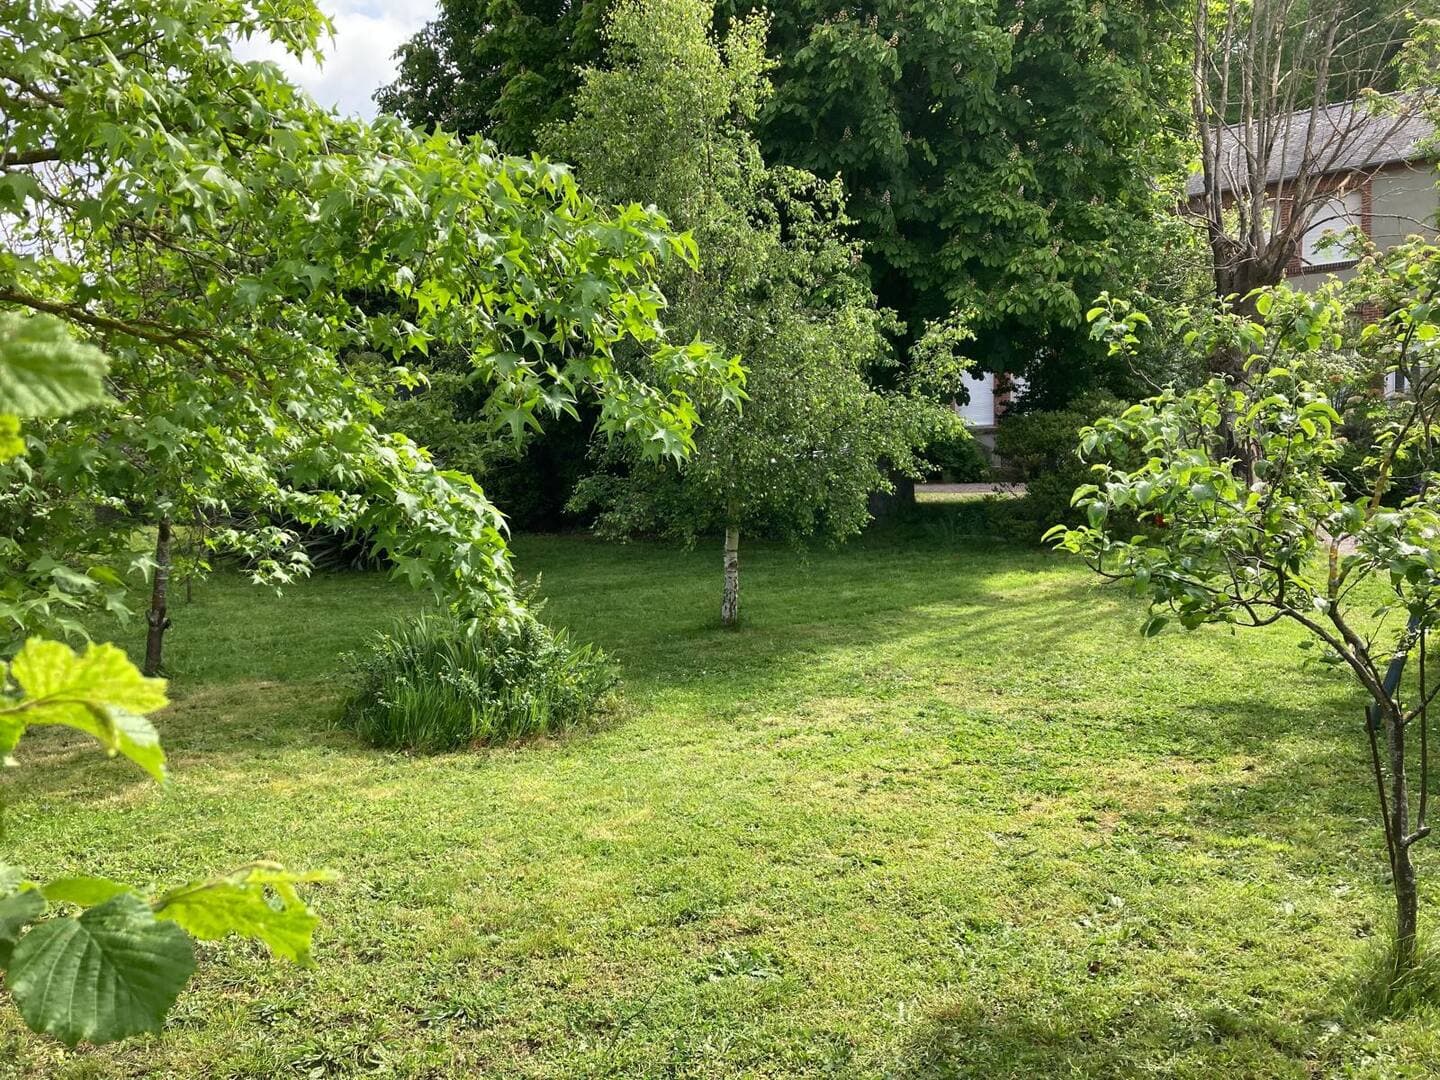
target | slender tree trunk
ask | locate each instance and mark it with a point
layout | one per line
(1402, 870)
(156, 617)
(730, 601)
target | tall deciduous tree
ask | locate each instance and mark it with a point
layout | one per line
(998, 158)
(671, 117)
(243, 256)
(501, 68)
(1290, 98)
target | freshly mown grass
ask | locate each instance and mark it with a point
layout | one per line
(933, 811)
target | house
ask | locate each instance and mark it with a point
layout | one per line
(989, 395)
(1377, 176)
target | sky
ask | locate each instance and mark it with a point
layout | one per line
(360, 58)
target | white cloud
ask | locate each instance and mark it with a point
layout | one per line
(359, 60)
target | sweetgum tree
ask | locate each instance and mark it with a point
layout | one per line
(87, 958)
(1222, 505)
(245, 259)
(200, 269)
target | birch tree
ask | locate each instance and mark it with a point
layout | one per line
(670, 119)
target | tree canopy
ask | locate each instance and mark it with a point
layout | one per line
(1000, 160)
(501, 68)
(259, 272)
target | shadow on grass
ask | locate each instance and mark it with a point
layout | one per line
(657, 608)
(1045, 660)
(1004, 628)
(1147, 1037)
(1078, 1034)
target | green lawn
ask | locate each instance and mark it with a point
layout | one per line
(934, 812)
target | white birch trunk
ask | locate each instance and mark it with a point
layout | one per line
(730, 602)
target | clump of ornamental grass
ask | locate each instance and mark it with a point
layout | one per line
(438, 683)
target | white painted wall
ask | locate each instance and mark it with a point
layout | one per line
(979, 411)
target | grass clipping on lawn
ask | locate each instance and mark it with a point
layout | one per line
(937, 810)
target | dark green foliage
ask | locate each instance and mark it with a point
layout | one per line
(535, 485)
(1366, 411)
(326, 549)
(1000, 158)
(437, 683)
(1035, 442)
(954, 455)
(502, 68)
(532, 483)
(1039, 448)
(995, 156)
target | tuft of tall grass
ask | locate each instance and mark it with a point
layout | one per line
(437, 683)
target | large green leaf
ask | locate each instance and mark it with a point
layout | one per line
(16, 910)
(12, 726)
(111, 972)
(259, 902)
(101, 693)
(12, 878)
(43, 370)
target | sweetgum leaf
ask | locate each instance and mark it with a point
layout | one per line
(111, 972)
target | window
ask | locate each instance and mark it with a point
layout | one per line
(979, 410)
(1324, 242)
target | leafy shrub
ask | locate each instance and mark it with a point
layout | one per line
(1040, 448)
(1040, 441)
(442, 683)
(955, 453)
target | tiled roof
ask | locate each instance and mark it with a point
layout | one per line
(1344, 141)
